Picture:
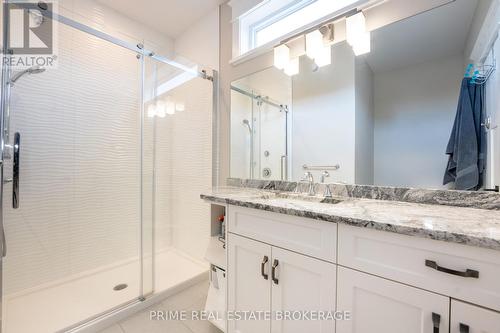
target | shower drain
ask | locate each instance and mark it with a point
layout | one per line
(120, 286)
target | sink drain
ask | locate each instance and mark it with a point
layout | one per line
(120, 287)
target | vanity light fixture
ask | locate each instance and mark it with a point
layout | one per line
(314, 44)
(356, 33)
(317, 50)
(292, 68)
(355, 26)
(363, 45)
(281, 56)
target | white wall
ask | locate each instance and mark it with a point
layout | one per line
(200, 43)
(414, 112)
(323, 116)
(364, 122)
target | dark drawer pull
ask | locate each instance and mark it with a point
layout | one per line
(464, 328)
(436, 321)
(273, 271)
(469, 273)
(262, 268)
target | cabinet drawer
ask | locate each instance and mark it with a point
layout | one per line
(307, 236)
(408, 259)
(381, 306)
(467, 318)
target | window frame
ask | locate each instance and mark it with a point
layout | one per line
(272, 18)
(243, 39)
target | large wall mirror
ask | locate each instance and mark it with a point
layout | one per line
(384, 118)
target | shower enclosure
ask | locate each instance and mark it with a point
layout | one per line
(103, 161)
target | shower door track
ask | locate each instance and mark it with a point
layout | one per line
(139, 47)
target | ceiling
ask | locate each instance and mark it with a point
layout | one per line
(435, 34)
(170, 17)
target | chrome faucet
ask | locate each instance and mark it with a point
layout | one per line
(308, 177)
(328, 193)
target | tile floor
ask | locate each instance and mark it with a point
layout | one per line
(190, 299)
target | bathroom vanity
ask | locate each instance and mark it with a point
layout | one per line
(394, 266)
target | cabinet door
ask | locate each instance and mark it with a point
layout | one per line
(248, 289)
(467, 318)
(301, 283)
(380, 305)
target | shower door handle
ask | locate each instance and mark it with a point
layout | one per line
(15, 170)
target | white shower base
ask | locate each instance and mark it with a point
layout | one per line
(55, 306)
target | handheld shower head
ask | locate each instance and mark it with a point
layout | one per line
(31, 70)
(247, 123)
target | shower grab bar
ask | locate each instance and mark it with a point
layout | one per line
(15, 171)
(321, 167)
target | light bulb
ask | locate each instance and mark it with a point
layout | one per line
(281, 56)
(292, 68)
(314, 44)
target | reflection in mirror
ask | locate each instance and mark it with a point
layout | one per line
(401, 115)
(259, 125)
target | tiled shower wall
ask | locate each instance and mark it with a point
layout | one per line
(80, 177)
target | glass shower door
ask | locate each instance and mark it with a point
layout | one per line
(74, 244)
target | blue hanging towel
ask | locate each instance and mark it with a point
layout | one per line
(467, 145)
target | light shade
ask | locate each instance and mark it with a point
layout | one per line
(363, 44)
(324, 56)
(355, 28)
(292, 68)
(314, 44)
(281, 56)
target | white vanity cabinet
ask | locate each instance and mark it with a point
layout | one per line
(265, 277)
(390, 283)
(380, 305)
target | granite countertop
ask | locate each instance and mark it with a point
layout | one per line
(469, 226)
